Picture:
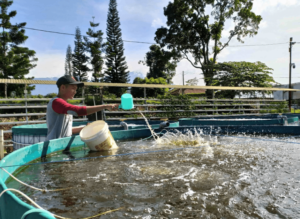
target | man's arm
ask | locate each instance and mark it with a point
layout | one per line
(93, 109)
(77, 129)
(62, 107)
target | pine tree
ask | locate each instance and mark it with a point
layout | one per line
(116, 65)
(15, 61)
(95, 48)
(79, 58)
(68, 62)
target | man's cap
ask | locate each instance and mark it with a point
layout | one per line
(68, 79)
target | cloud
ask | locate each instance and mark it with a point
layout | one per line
(189, 73)
(157, 23)
(134, 66)
(50, 64)
(263, 24)
(260, 6)
(141, 11)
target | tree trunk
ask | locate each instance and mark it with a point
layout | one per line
(208, 76)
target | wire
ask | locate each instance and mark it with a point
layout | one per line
(132, 41)
(271, 44)
(71, 34)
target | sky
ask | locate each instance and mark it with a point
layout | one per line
(139, 21)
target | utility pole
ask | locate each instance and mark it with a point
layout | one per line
(290, 73)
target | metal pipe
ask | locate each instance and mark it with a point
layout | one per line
(25, 92)
(145, 96)
(290, 75)
(1, 144)
(95, 105)
(83, 103)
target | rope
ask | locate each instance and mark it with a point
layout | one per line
(57, 216)
(42, 190)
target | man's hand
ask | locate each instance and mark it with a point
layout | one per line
(112, 106)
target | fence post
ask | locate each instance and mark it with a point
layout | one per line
(5, 90)
(101, 99)
(25, 92)
(1, 144)
(95, 105)
(213, 98)
(83, 103)
(145, 96)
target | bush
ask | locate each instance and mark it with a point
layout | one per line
(139, 92)
(51, 95)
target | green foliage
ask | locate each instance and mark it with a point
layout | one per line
(37, 96)
(95, 47)
(15, 61)
(161, 63)
(139, 92)
(281, 107)
(79, 58)
(171, 103)
(241, 74)
(51, 95)
(193, 26)
(202, 95)
(68, 62)
(115, 60)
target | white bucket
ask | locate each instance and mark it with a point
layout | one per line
(98, 137)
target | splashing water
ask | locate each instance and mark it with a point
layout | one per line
(190, 138)
(180, 139)
(154, 135)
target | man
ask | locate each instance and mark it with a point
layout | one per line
(60, 113)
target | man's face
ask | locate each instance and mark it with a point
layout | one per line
(69, 90)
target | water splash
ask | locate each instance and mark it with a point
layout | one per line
(154, 135)
(179, 139)
(190, 138)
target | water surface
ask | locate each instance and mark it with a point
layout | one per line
(217, 177)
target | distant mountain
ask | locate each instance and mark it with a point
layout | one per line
(133, 75)
(46, 89)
